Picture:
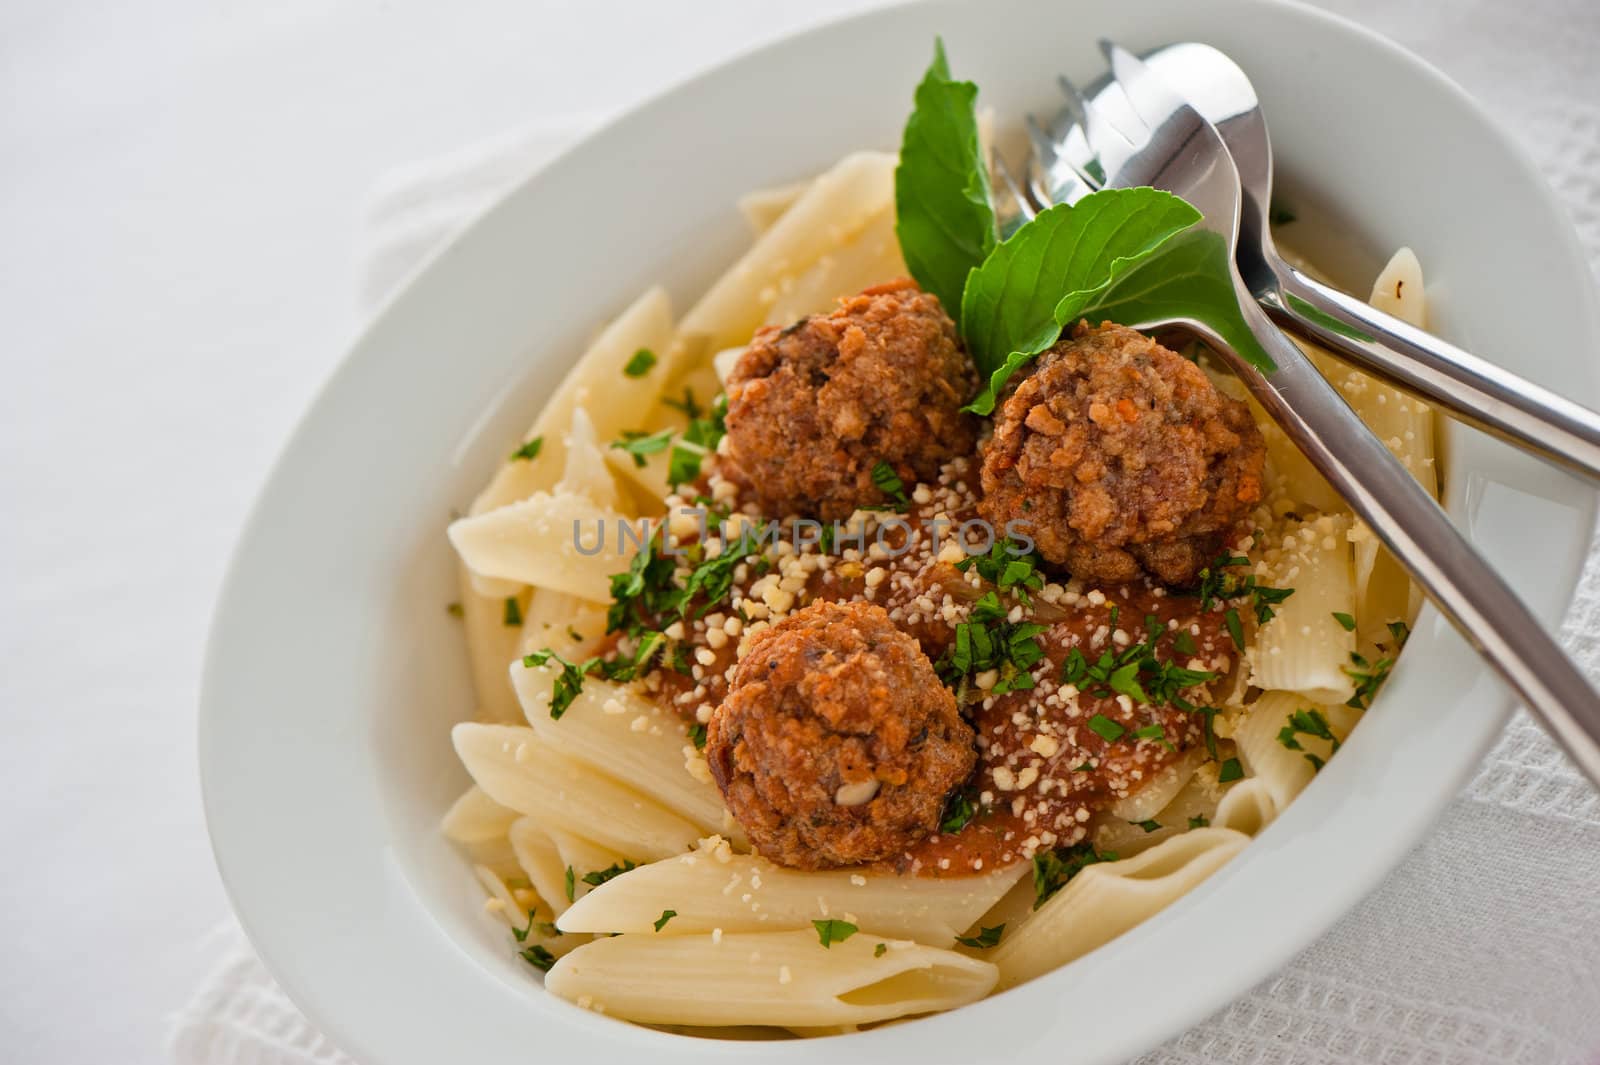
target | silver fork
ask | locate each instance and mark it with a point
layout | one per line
(1172, 147)
(1065, 165)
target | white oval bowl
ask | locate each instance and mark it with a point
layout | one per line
(333, 673)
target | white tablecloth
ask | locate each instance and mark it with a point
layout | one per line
(182, 202)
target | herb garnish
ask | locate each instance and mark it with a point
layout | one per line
(889, 483)
(455, 610)
(1346, 622)
(1053, 869)
(538, 957)
(640, 363)
(1219, 584)
(569, 682)
(832, 931)
(987, 641)
(610, 872)
(513, 614)
(1105, 728)
(1308, 723)
(1231, 770)
(880, 950)
(1199, 821)
(528, 451)
(697, 736)
(986, 937)
(1149, 825)
(959, 810)
(666, 915)
(700, 438)
(1009, 568)
(572, 884)
(639, 444)
(943, 215)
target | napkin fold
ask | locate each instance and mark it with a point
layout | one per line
(1482, 948)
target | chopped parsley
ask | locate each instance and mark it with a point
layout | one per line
(538, 957)
(697, 736)
(1346, 622)
(1209, 714)
(639, 444)
(987, 641)
(1231, 770)
(610, 872)
(1009, 568)
(640, 363)
(513, 615)
(1105, 728)
(455, 610)
(1183, 643)
(959, 811)
(880, 950)
(1230, 618)
(1370, 675)
(545, 928)
(528, 451)
(572, 884)
(889, 484)
(1219, 584)
(700, 439)
(986, 937)
(1135, 671)
(569, 683)
(833, 931)
(1053, 869)
(666, 915)
(1199, 821)
(1307, 723)
(687, 404)
(1149, 825)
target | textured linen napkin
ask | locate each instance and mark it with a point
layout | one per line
(1483, 948)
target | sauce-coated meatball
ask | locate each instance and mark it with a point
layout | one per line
(813, 408)
(1121, 456)
(836, 744)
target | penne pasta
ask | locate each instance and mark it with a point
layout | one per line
(1282, 770)
(564, 542)
(476, 818)
(516, 769)
(712, 888)
(780, 978)
(1105, 900)
(491, 643)
(596, 382)
(763, 207)
(871, 258)
(833, 209)
(617, 731)
(1305, 646)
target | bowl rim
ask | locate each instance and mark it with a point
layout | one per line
(940, 1029)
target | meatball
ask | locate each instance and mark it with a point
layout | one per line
(814, 408)
(1122, 458)
(836, 744)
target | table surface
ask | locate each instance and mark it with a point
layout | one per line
(181, 201)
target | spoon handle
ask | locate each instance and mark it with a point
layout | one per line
(1475, 390)
(1419, 533)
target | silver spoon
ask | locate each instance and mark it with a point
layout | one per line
(1478, 392)
(1174, 148)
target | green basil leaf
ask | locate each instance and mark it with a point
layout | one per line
(943, 215)
(1050, 271)
(1192, 278)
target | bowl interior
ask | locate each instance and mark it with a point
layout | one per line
(334, 671)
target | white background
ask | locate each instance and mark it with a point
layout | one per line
(181, 187)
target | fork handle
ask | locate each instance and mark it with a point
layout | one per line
(1475, 390)
(1423, 539)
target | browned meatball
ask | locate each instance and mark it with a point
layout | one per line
(813, 408)
(1122, 457)
(836, 744)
